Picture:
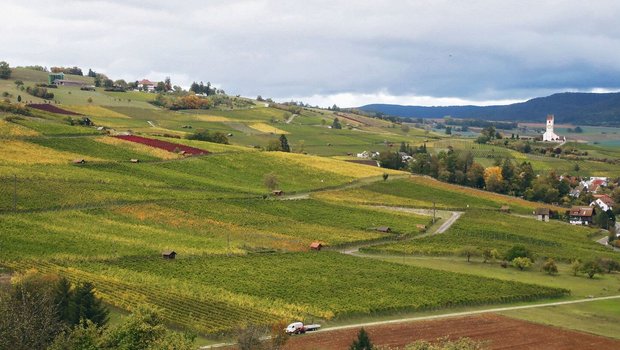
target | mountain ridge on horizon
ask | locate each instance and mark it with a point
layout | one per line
(568, 107)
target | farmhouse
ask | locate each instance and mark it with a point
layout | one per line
(603, 201)
(581, 215)
(147, 85)
(542, 214)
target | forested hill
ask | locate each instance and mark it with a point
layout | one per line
(568, 107)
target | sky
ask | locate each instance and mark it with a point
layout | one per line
(349, 53)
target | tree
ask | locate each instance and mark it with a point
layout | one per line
(449, 130)
(493, 179)
(475, 175)
(609, 265)
(145, 330)
(391, 160)
(468, 252)
(27, 312)
(249, 338)
(5, 70)
(279, 337)
(336, 124)
(385, 176)
(591, 268)
(489, 254)
(271, 181)
(85, 337)
(167, 84)
(550, 267)
(362, 342)
(84, 305)
(284, 147)
(19, 98)
(521, 263)
(518, 251)
(62, 299)
(575, 266)
(404, 128)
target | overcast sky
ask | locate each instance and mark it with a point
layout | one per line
(427, 52)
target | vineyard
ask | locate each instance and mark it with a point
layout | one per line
(213, 294)
(52, 109)
(165, 145)
(485, 229)
(423, 192)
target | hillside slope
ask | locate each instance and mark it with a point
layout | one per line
(568, 107)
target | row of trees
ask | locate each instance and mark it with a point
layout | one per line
(205, 135)
(67, 70)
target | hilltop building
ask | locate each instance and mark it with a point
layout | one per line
(549, 134)
(52, 77)
(146, 84)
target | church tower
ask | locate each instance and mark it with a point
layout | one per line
(549, 135)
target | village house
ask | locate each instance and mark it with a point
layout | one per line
(581, 215)
(603, 201)
(147, 85)
(594, 183)
(64, 82)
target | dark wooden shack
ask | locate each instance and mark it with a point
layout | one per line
(169, 254)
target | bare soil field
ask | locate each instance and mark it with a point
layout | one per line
(498, 332)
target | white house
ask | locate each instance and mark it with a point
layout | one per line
(364, 155)
(145, 83)
(603, 201)
(549, 134)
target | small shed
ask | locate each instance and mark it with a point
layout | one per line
(504, 209)
(277, 193)
(316, 246)
(385, 229)
(169, 254)
(79, 161)
(134, 160)
(542, 214)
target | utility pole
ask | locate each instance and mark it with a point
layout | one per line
(15, 192)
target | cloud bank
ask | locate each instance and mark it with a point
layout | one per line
(427, 52)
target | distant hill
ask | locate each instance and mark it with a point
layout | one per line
(568, 107)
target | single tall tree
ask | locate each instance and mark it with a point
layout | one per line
(5, 70)
(284, 147)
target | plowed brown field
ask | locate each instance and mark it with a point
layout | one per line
(498, 332)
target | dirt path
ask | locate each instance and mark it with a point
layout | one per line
(289, 120)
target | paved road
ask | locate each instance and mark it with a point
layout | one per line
(448, 315)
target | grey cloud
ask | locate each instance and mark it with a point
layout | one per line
(468, 49)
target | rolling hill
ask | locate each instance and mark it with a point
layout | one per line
(568, 107)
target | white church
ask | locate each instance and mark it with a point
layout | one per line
(549, 135)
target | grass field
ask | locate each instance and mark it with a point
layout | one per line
(485, 229)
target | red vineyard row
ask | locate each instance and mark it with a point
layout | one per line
(168, 146)
(51, 108)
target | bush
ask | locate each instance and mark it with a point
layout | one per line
(204, 135)
(519, 251)
(40, 92)
(550, 267)
(521, 263)
(591, 268)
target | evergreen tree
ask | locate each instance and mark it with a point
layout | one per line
(284, 147)
(362, 342)
(86, 306)
(336, 124)
(62, 299)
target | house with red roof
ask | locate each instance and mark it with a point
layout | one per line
(147, 85)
